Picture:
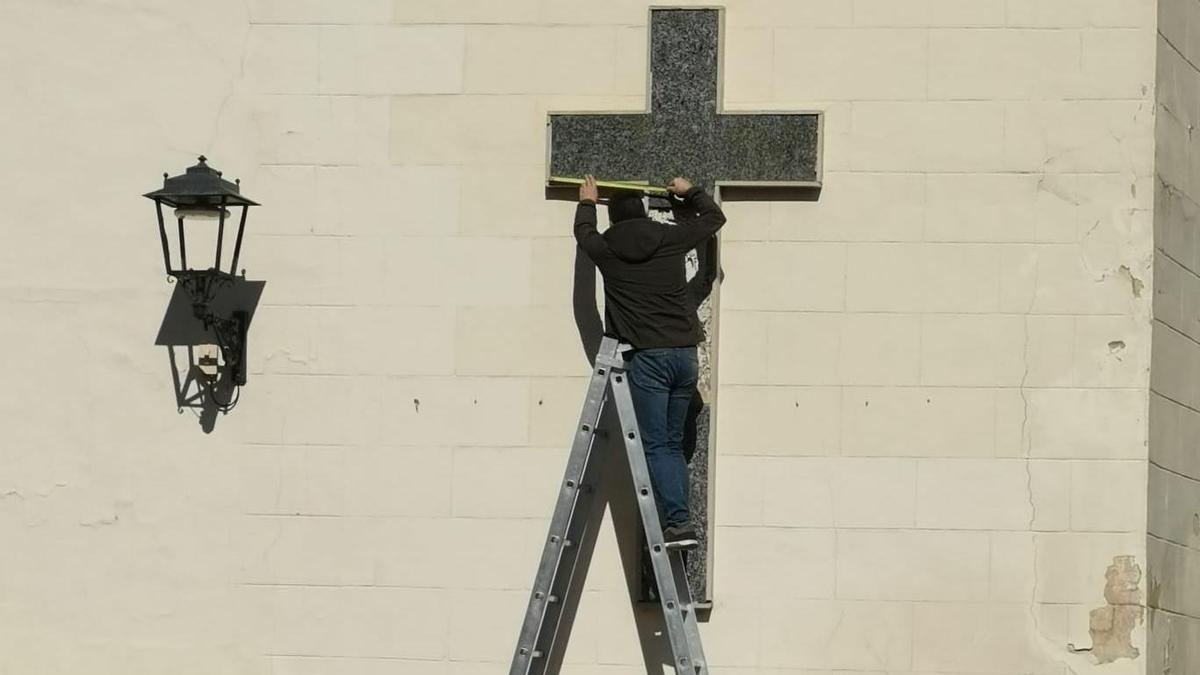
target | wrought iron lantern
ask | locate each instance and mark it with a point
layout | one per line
(201, 198)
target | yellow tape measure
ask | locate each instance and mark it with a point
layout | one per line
(613, 184)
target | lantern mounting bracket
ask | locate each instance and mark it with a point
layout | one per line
(202, 286)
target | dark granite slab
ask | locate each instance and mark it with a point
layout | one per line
(684, 132)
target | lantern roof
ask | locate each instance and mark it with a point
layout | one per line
(201, 185)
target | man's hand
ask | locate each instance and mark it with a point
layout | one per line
(588, 191)
(679, 186)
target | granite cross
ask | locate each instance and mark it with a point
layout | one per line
(685, 132)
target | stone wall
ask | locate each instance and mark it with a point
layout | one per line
(1174, 493)
(931, 433)
(933, 403)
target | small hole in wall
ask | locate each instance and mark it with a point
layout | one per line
(1116, 346)
(1196, 524)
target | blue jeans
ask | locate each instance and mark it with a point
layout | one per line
(661, 382)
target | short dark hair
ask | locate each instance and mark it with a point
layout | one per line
(626, 205)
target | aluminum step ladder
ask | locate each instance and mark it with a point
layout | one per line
(540, 644)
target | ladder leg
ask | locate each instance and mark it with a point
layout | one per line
(669, 573)
(691, 624)
(556, 576)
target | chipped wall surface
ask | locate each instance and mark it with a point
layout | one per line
(933, 380)
(1173, 537)
(1111, 626)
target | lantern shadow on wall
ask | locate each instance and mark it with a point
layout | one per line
(207, 321)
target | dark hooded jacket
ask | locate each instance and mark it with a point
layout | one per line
(646, 300)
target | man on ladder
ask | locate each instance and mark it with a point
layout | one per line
(647, 305)
(646, 366)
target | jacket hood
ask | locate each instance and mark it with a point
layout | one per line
(635, 240)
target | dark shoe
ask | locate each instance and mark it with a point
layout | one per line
(680, 536)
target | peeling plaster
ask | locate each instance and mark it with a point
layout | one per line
(15, 493)
(101, 522)
(1136, 284)
(1111, 626)
(287, 356)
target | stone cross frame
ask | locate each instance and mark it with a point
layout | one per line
(685, 132)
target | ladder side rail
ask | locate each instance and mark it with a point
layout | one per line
(691, 624)
(673, 609)
(565, 511)
(568, 584)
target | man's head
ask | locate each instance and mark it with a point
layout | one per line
(626, 205)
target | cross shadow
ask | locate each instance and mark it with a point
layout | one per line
(729, 193)
(770, 193)
(617, 493)
(203, 382)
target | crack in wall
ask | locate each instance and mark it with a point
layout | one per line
(1026, 441)
(1050, 648)
(1048, 183)
(233, 86)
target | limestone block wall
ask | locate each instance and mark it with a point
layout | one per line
(1174, 498)
(932, 421)
(933, 404)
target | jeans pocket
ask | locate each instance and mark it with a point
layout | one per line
(690, 367)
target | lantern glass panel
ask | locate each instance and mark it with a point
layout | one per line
(201, 238)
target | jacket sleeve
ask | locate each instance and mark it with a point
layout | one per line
(585, 232)
(699, 218)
